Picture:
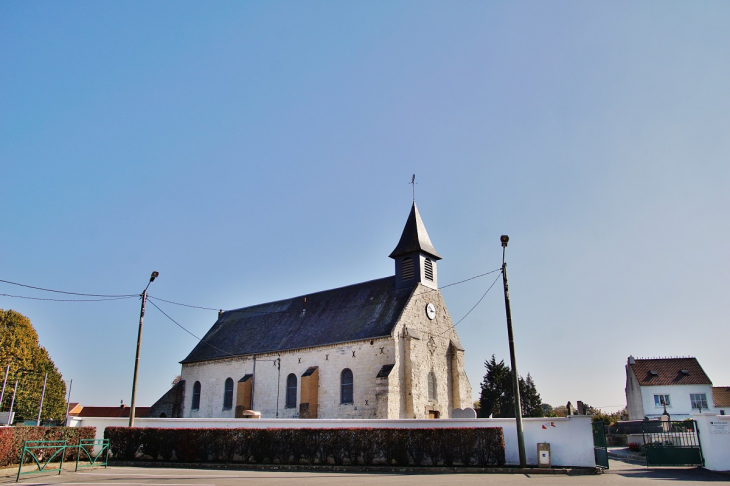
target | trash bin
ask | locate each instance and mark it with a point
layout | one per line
(543, 455)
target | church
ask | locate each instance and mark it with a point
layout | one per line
(383, 349)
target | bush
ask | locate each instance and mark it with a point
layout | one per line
(12, 439)
(402, 447)
(634, 446)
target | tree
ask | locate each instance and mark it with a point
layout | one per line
(29, 361)
(598, 415)
(497, 396)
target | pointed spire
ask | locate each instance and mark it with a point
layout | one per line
(415, 237)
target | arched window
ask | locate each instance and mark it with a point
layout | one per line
(291, 391)
(432, 386)
(228, 394)
(428, 266)
(406, 268)
(346, 386)
(196, 396)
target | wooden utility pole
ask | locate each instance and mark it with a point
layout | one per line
(139, 343)
(513, 360)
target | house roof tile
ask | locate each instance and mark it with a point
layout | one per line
(721, 396)
(670, 371)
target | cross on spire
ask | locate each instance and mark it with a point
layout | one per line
(413, 183)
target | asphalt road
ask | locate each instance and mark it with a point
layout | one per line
(621, 473)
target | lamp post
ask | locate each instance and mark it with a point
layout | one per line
(139, 341)
(515, 377)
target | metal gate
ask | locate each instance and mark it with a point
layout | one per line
(672, 443)
(600, 450)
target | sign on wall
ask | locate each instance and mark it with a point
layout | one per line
(717, 427)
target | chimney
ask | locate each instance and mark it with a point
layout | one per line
(631, 360)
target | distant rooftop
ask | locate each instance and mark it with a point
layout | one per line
(721, 396)
(669, 371)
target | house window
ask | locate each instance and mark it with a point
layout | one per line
(658, 400)
(346, 386)
(228, 394)
(406, 269)
(291, 391)
(722, 412)
(699, 400)
(196, 396)
(428, 265)
(432, 386)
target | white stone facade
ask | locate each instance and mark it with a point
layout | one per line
(416, 347)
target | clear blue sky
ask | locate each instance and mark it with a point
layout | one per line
(252, 151)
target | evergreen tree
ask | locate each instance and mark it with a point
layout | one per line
(497, 395)
(493, 388)
(28, 361)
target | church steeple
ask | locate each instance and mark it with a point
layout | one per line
(415, 257)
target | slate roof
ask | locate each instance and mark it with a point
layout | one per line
(721, 396)
(357, 312)
(415, 237)
(669, 372)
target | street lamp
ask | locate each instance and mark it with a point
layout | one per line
(515, 377)
(139, 341)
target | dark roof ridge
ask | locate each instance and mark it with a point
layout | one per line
(287, 299)
(354, 312)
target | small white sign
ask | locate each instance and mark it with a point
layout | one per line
(717, 427)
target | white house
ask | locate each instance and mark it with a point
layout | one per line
(386, 348)
(680, 384)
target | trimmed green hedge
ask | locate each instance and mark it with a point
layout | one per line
(448, 446)
(12, 438)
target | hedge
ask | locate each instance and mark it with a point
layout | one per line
(12, 438)
(402, 447)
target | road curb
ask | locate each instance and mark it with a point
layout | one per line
(356, 469)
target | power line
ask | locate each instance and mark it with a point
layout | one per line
(184, 329)
(69, 300)
(479, 301)
(466, 315)
(281, 312)
(64, 292)
(185, 305)
(472, 278)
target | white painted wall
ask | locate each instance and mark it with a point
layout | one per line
(715, 445)
(678, 396)
(570, 438)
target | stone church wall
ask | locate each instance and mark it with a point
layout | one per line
(425, 346)
(331, 360)
(419, 346)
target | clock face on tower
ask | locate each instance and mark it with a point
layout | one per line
(430, 311)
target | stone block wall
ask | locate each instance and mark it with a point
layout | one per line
(363, 358)
(426, 346)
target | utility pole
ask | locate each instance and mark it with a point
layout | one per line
(12, 402)
(68, 402)
(515, 376)
(139, 342)
(5, 380)
(43, 394)
(253, 382)
(278, 385)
